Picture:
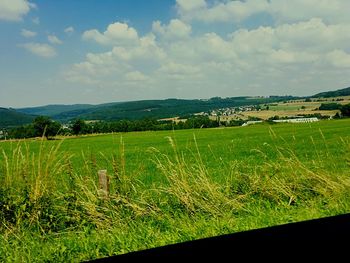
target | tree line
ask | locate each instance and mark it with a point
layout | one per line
(45, 126)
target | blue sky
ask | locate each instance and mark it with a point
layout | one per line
(90, 51)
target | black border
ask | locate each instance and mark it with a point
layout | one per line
(317, 239)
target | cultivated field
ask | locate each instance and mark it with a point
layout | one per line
(166, 187)
(266, 114)
(290, 109)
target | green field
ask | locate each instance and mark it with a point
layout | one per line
(166, 187)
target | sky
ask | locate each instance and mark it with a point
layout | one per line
(99, 51)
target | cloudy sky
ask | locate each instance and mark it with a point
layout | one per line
(97, 51)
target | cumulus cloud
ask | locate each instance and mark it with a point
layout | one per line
(54, 40)
(179, 71)
(69, 30)
(287, 57)
(42, 50)
(122, 62)
(136, 76)
(332, 11)
(339, 58)
(223, 11)
(28, 33)
(116, 34)
(14, 10)
(175, 30)
(191, 5)
(312, 36)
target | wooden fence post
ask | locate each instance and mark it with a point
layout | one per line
(103, 183)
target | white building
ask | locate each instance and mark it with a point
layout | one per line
(298, 120)
(251, 122)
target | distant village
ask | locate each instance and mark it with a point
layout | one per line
(235, 113)
(229, 111)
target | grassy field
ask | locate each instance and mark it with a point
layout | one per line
(166, 187)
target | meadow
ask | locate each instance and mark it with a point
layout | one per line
(166, 187)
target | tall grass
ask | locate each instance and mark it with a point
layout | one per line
(191, 187)
(43, 195)
(29, 182)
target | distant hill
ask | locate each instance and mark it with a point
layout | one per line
(145, 109)
(12, 118)
(133, 110)
(336, 93)
(51, 110)
(65, 112)
(170, 107)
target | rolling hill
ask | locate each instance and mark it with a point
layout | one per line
(170, 107)
(144, 109)
(51, 110)
(336, 93)
(133, 110)
(12, 118)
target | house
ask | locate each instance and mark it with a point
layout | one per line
(3, 134)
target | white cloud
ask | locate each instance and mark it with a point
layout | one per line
(179, 71)
(69, 30)
(205, 48)
(54, 40)
(42, 50)
(14, 10)
(339, 58)
(147, 50)
(332, 11)
(312, 36)
(116, 34)
(83, 73)
(28, 33)
(175, 30)
(190, 5)
(286, 58)
(231, 11)
(281, 56)
(136, 76)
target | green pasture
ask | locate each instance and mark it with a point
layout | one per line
(217, 146)
(166, 187)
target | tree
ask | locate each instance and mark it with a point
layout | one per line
(337, 116)
(21, 132)
(79, 127)
(330, 106)
(44, 126)
(345, 110)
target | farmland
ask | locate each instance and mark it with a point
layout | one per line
(289, 108)
(166, 187)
